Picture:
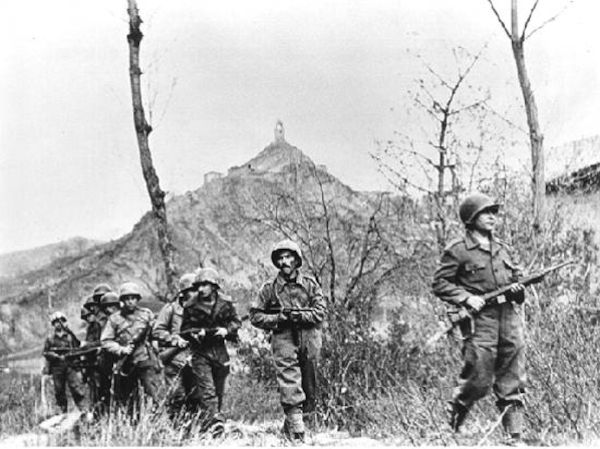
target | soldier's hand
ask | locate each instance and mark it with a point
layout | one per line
(180, 342)
(200, 334)
(517, 287)
(475, 302)
(295, 316)
(220, 332)
(126, 350)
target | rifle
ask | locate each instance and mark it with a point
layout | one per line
(491, 298)
(136, 341)
(284, 310)
(72, 353)
(167, 354)
(191, 334)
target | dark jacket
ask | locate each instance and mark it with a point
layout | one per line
(467, 269)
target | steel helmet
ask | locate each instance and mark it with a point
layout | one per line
(209, 275)
(85, 312)
(55, 316)
(89, 301)
(186, 282)
(129, 288)
(99, 290)
(109, 299)
(475, 204)
(286, 245)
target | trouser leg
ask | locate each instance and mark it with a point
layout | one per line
(76, 388)
(174, 380)
(289, 380)
(59, 378)
(479, 353)
(151, 382)
(204, 392)
(509, 386)
(220, 373)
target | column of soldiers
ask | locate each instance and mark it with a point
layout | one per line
(191, 331)
(189, 347)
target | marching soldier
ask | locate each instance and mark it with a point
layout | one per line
(177, 369)
(209, 318)
(292, 307)
(96, 319)
(493, 345)
(109, 304)
(63, 374)
(126, 337)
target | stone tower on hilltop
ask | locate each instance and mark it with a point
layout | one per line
(279, 132)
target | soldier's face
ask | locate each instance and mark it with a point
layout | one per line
(486, 220)
(129, 302)
(205, 289)
(287, 262)
(111, 309)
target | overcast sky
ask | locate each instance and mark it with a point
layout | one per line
(218, 74)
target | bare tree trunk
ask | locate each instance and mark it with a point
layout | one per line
(535, 135)
(143, 129)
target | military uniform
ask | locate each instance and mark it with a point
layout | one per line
(493, 348)
(210, 360)
(177, 371)
(63, 374)
(296, 346)
(120, 330)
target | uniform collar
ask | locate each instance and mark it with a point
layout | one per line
(281, 281)
(471, 242)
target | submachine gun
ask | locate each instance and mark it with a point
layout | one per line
(491, 298)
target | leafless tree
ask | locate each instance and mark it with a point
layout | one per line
(143, 130)
(536, 138)
(442, 164)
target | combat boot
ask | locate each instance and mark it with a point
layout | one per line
(512, 421)
(458, 414)
(293, 427)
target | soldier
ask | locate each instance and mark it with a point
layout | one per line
(209, 318)
(57, 344)
(166, 329)
(109, 304)
(471, 266)
(96, 319)
(126, 337)
(292, 308)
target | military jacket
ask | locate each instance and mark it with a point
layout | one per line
(167, 326)
(302, 292)
(206, 315)
(93, 332)
(466, 269)
(65, 341)
(121, 329)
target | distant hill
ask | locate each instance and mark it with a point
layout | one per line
(229, 223)
(19, 262)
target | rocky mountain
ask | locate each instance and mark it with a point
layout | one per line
(19, 262)
(229, 223)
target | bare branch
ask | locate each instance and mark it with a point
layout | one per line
(551, 19)
(533, 8)
(499, 18)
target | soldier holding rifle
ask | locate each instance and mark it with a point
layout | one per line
(292, 308)
(175, 354)
(126, 337)
(63, 373)
(208, 319)
(493, 351)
